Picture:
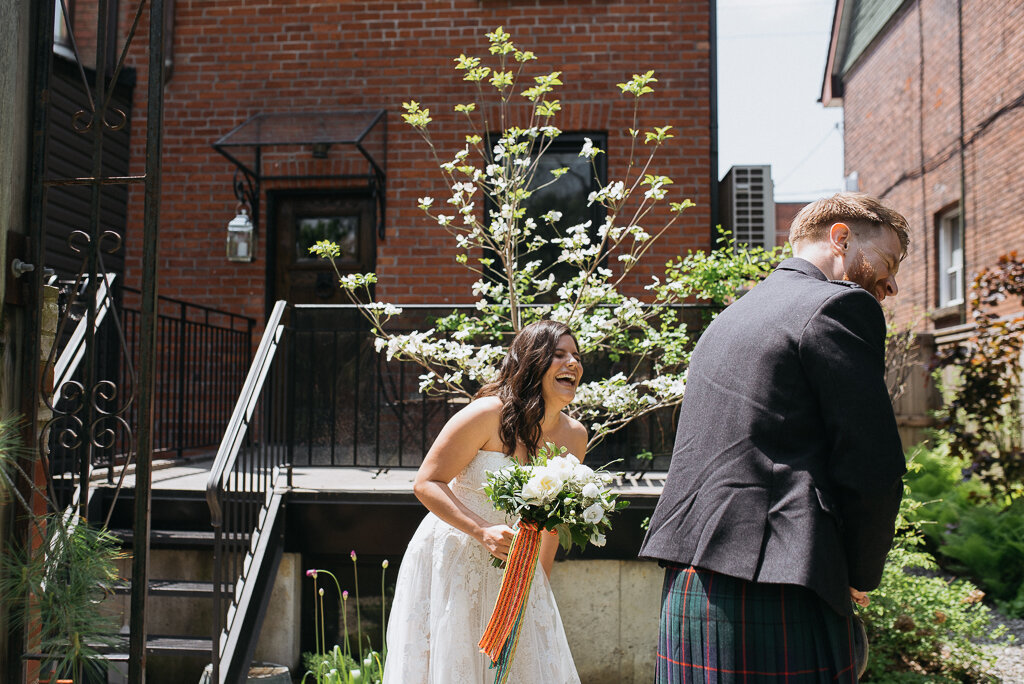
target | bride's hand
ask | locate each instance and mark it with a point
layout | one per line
(497, 539)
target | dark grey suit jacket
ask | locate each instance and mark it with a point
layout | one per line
(787, 465)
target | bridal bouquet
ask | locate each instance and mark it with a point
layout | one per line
(556, 493)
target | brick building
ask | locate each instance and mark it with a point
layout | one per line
(785, 212)
(231, 61)
(933, 100)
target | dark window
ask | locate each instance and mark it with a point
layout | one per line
(567, 195)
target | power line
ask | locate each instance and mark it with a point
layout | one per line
(810, 154)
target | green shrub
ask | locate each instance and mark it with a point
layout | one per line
(982, 412)
(922, 627)
(973, 534)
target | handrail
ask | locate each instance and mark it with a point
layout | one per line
(67, 362)
(234, 434)
(243, 496)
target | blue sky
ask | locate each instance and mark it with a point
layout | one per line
(771, 59)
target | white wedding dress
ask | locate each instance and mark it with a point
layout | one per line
(444, 595)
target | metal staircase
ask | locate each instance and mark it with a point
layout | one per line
(245, 492)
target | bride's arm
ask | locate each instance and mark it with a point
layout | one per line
(577, 445)
(468, 431)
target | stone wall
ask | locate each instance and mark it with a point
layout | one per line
(610, 610)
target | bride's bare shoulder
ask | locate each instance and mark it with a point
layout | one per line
(483, 414)
(574, 435)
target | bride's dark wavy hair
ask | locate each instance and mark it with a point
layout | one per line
(519, 383)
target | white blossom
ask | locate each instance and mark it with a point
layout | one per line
(593, 513)
(542, 487)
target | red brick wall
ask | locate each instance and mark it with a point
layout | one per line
(785, 212)
(233, 59)
(902, 113)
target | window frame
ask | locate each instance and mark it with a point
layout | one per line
(567, 142)
(949, 257)
(61, 35)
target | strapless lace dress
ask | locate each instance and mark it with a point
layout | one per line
(444, 595)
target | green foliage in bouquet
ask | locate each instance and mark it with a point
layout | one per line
(921, 626)
(556, 492)
(972, 533)
(530, 265)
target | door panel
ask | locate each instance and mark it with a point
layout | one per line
(300, 220)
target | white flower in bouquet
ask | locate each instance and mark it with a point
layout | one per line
(597, 539)
(561, 467)
(591, 491)
(542, 486)
(594, 513)
(582, 473)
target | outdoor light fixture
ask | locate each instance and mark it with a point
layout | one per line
(241, 237)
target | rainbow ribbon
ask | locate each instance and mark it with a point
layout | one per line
(502, 634)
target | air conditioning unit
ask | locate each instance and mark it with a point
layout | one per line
(747, 201)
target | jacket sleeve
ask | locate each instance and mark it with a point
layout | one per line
(843, 350)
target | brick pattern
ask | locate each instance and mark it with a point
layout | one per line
(233, 59)
(901, 107)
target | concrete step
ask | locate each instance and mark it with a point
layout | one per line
(162, 645)
(172, 588)
(170, 538)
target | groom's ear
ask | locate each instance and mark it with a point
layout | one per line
(839, 235)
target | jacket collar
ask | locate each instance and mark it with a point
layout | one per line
(801, 266)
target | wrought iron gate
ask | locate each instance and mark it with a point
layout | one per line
(92, 411)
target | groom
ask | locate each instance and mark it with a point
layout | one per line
(786, 474)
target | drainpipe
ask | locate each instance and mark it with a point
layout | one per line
(713, 99)
(963, 170)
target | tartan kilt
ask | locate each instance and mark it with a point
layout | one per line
(717, 629)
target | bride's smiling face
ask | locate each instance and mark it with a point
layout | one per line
(563, 375)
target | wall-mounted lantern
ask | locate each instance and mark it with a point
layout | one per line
(241, 237)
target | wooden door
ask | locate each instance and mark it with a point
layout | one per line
(303, 218)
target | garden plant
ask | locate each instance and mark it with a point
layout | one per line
(921, 625)
(971, 533)
(53, 584)
(983, 382)
(341, 664)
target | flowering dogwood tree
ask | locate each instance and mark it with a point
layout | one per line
(490, 181)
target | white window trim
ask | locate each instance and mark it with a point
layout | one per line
(950, 259)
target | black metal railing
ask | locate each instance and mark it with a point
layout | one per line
(244, 492)
(350, 406)
(202, 357)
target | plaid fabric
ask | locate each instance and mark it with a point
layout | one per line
(722, 630)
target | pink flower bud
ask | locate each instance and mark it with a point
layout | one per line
(311, 573)
(384, 564)
(353, 554)
(344, 595)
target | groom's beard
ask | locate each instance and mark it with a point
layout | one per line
(864, 274)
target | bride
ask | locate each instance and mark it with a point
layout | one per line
(447, 586)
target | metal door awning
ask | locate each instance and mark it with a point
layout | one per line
(347, 145)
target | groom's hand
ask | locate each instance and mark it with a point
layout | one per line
(859, 597)
(497, 539)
